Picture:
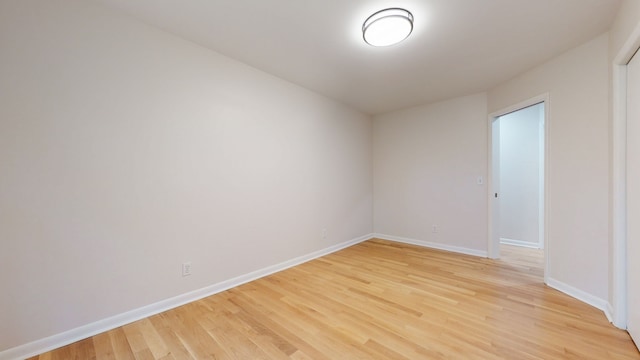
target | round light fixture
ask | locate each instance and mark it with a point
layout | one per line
(387, 27)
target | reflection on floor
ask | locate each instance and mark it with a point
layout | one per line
(528, 259)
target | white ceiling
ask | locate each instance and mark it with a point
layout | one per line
(457, 47)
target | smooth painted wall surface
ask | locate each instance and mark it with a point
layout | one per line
(426, 163)
(578, 169)
(125, 151)
(627, 21)
(520, 160)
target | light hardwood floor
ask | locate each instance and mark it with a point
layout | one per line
(376, 300)
(527, 259)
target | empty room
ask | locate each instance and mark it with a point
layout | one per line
(281, 179)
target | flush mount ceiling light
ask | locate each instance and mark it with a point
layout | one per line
(387, 27)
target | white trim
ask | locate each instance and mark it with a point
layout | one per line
(545, 207)
(619, 198)
(451, 248)
(609, 312)
(619, 181)
(82, 332)
(583, 296)
(493, 247)
(520, 243)
(542, 150)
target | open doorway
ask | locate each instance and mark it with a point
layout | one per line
(521, 174)
(517, 181)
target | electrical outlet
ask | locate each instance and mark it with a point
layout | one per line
(434, 229)
(186, 269)
(324, 233)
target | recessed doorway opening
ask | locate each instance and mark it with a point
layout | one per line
(517, 178)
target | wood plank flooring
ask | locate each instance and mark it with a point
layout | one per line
(527, 259)
(376, 300)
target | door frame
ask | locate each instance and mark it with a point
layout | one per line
(493, 234)
(618, 259)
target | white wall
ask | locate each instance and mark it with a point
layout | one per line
(578, 181)
(126, 151)
(520, 161)
(627, 21)
(426, 163)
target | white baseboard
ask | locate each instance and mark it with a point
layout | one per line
(609, 313)
(452, 248)
(526, 244)
(85, 331)
(585, 297)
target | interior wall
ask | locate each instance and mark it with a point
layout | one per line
(633, 199)
(627, 21)
(126, 151)
(578, 144)
(520, 161)
(427, 161)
